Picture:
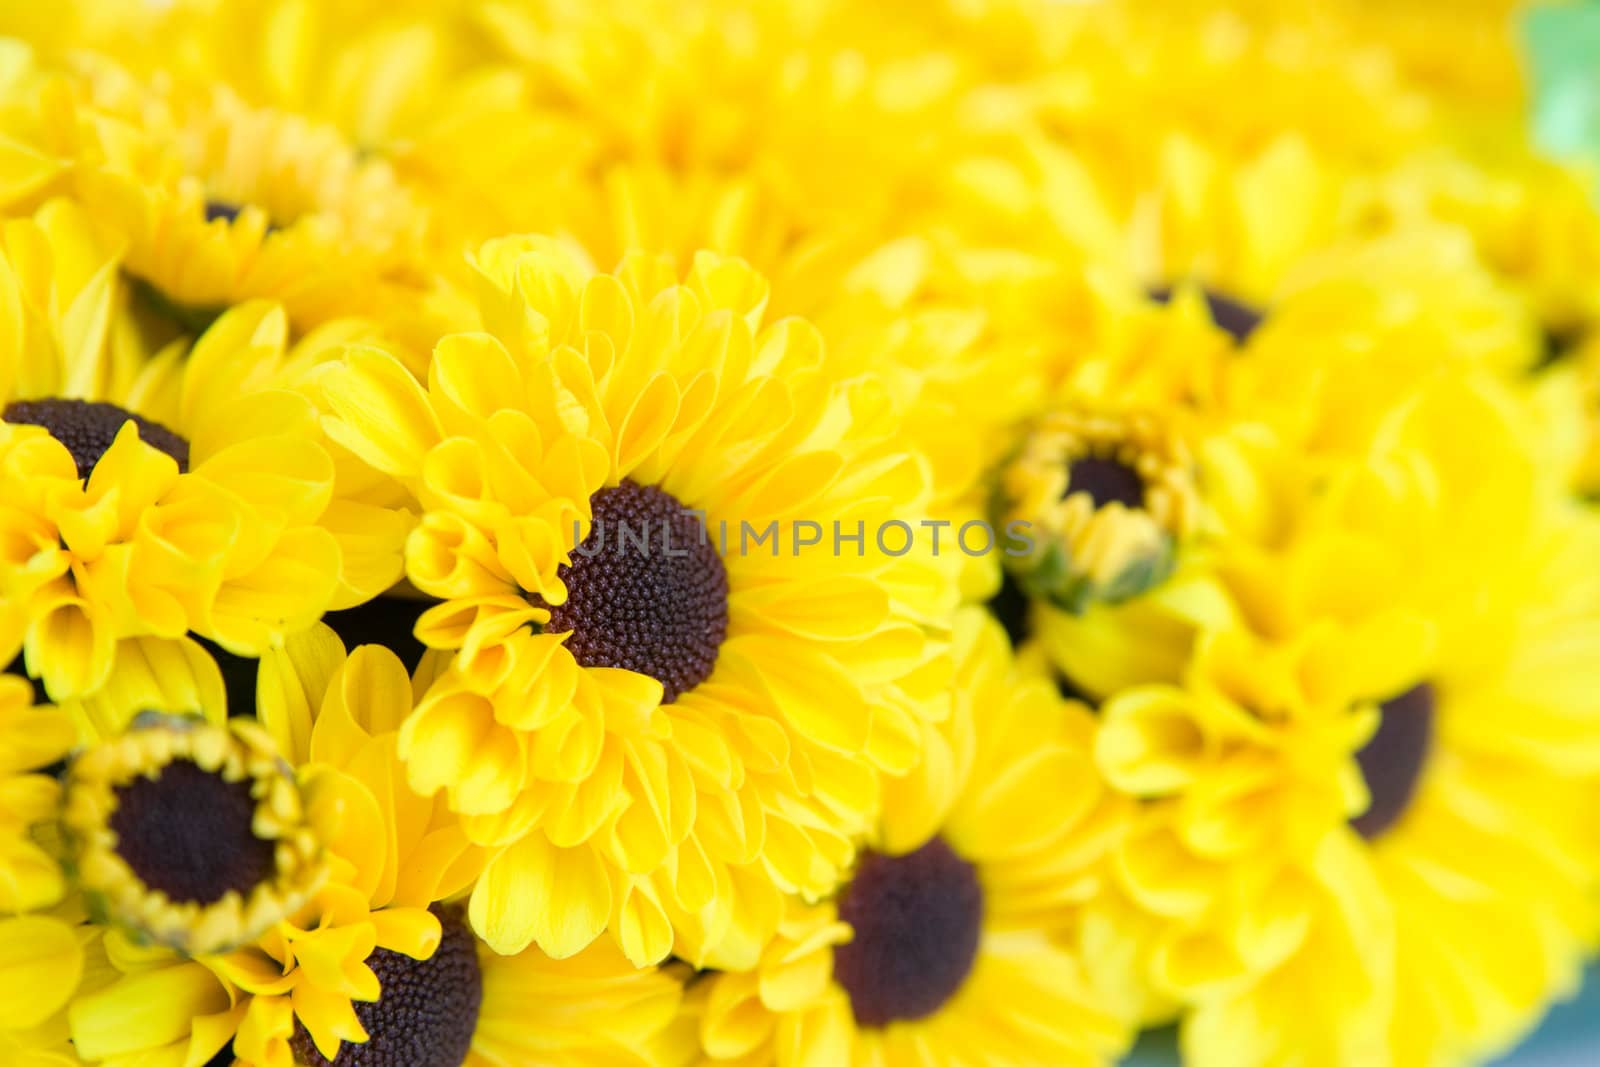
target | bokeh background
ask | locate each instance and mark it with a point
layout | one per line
(1570, 1037)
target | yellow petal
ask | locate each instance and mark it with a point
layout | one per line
(350, 821)
(1152, 741)
(380, 412)
(1008, 814)
(290, 686)
(40, 964)
(642, 927)
(808, 689)
(376, 690)
(371, 549)
(535, 892)
(144, 1010)
(735, 1022)
(474, 372)
(73, 646)
(328, 1016)
(437, 743)
(335, 958)
(413, 932)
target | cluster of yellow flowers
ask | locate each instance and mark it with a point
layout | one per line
(695, 533)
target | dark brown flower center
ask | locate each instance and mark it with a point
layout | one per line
(917, 919)
(426, 1013)
(87, 428)
(187, 833)
(221, 209)
(646, 590)
(1393, 759)
(1560, 343)
(1106, 480)
(1238, 319)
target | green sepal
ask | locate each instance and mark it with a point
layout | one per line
(1049, 575)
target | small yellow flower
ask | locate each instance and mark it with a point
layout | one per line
(190, 834)
(1107, 500)
(379, 961)
(1356, 331)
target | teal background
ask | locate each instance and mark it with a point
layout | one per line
(1563, 47)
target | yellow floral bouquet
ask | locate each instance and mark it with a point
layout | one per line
(699, 533)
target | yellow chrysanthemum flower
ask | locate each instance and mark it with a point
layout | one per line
(728, 688)
(1349, 131)
(152, 497)
(1148, 379)
(688, 143)
(196, 840)
(757, 107)
(1113, 153)
(1344, 136)
(943, 941)
(121, 800)
(1532, 219)
(1370, 799)
(1237, 223)
(379, 961)
(1417, 304)
(212, 201)
(1158, 360)
(1303, 378)
(1107, 500)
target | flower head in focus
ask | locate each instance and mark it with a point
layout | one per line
(670, 675)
